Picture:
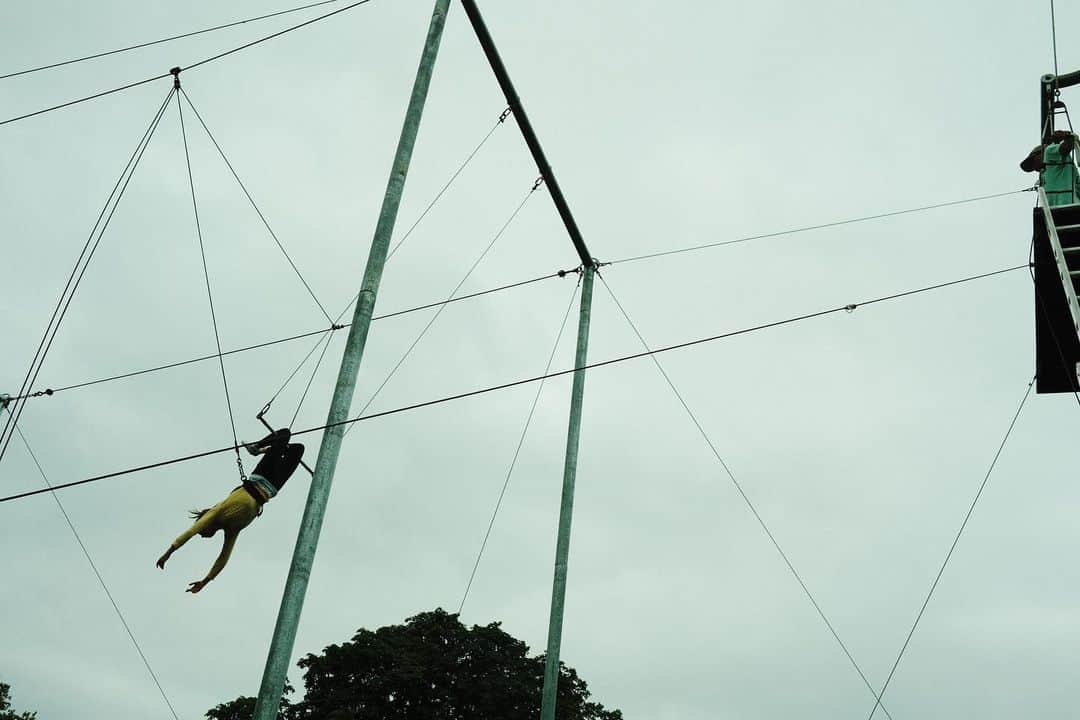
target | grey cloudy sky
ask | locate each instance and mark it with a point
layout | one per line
(860, 437)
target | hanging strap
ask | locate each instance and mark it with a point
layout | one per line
(206, 275)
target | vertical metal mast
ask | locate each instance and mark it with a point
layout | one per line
(292, 600)
(566, 508)
(562, 549)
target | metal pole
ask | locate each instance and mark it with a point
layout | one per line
(566, 511)
(292, 600)
(512, 99)
(1046, 102)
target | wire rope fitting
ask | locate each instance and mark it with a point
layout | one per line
(575, 271)
(5, 400)
(505, 114)
(537, 184)
(175, 72)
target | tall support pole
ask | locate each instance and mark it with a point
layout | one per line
(292, 600)
(566, 510)
(588, 264)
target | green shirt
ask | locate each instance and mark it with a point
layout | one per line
(1060, 179)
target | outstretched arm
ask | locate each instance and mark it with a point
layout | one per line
(201, 524)
(219, 564)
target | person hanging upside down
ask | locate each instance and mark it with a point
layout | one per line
(234, 513)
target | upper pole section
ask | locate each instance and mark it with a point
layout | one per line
(307, 540)
(1049, 87)
(531, 140)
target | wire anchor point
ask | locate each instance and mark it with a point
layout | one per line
(175, 72)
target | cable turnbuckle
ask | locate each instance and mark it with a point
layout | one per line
(175, 72)
(240, 466)
(505, 114)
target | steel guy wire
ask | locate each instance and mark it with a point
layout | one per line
(258, 212)
(209, 291)
(97, 574)
(515, 383)
(746, 498)
(199, 63)
(517, 450)
(442, 306)
(952, 548)
(138, 46)
(807, 228)
(77, 273)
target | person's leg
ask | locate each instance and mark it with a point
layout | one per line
(274, 442)
(290, 461)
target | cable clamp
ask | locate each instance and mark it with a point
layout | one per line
(175, 72)
(537, 184)
(505, 114)
(850, 308)
(336, 326)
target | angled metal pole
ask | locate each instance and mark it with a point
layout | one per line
(566, 509)
(292, 600)
(522, 118)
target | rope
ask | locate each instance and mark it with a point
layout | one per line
(336, 322)
(256, 207)
(101, 580)
(193, 33)
(47, 392)
(745, 497)
(442, 306)
(204, 61)
(311, 379)
(502, 118)
(949, 554)
(504, 386)
(517, 450)
(209, 291)
(1053, 36)
(324, 334)
(75, 278)
(807, 228)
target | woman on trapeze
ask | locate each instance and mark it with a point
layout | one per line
(234, 513)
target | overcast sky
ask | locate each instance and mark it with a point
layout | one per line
(861, 438)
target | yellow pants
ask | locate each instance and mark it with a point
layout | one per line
(232, 515)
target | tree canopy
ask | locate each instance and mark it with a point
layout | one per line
(6, 713)
(431, 666)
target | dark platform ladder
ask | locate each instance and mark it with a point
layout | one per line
(1057, 309)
